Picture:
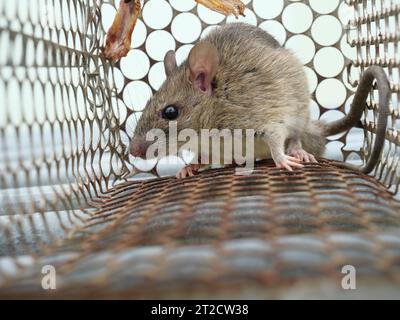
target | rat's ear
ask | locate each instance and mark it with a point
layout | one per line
(170, 64)
(203, 62)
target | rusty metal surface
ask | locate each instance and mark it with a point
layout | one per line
(219, 232)
(65, 200)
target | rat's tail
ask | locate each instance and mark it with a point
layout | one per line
(358, 105)
(357, 108)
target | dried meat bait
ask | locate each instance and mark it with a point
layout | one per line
(119, 36)
(226, 7)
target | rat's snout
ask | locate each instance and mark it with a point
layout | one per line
(138, 147)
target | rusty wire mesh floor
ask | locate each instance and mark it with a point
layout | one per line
(221, 234)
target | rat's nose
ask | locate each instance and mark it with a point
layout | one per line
(138, 148)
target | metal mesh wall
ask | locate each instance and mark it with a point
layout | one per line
(60, 142)
(67, 118)
(374, 32)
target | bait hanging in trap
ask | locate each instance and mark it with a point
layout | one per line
(70, 98)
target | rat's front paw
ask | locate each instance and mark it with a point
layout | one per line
(188, 171)
(287, 162)
(302, 155)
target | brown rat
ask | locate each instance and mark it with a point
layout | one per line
(239, 77)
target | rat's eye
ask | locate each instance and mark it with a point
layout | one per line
(170, 113)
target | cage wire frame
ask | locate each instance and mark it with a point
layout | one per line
(72, 206)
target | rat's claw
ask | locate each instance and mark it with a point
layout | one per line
(293, 159)
(288, 162)
(303, 155)
(312, 158)
(188, 171)
(182, 174)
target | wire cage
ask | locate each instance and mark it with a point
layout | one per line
(68, 201)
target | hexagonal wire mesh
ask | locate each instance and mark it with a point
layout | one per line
(68, 117)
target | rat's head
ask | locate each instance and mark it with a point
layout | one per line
(182, 99)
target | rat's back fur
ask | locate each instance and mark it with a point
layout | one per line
(259, 82)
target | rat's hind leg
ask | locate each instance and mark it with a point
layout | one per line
(296, 150)
(275, 136)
